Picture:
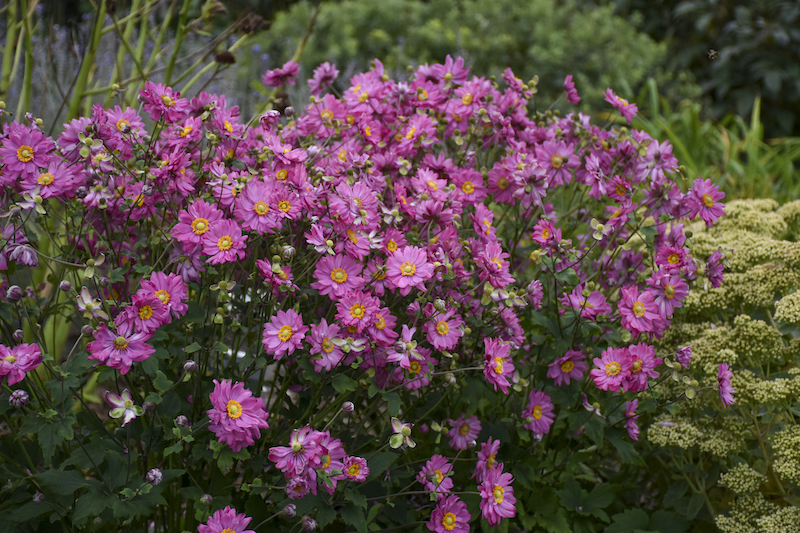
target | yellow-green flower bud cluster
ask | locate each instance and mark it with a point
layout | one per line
(787, 309)
(744, 514)
(782, 520)
(742, 479)
(718, 437)
(787, 445)
(756, 216)
(791, 215)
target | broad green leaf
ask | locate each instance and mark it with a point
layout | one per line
(162, 383)
(53, 433)
(628, 521)
(353, 516)
(325, 516)
(668, 522)
(380, 462)
(342, 384)
(64, 481)
(393, 403)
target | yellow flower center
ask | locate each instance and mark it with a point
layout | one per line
(326, 461)
(442, 328)
(228, 126)
(227, 530)
(422, 95)
(491, 462)
(168, 101)
(326, 115)
(25, 153)
(358, 311)
(45, 179)
(363, 97)
(708, 201)
(121, 343)
(353, 469)
(145, 312)
(439, 476)
(556, 161)
(284, 206)
(498, 365)
(339, 275)
(391, 246)
(567, 366)
(282, 174)
(497, 261)
(261, 208)
(638, 309)
(10, 358)
(466, 99)
(379, 275)
(414, 367)
(464, 429)
(122, 123)
(407, 269)
(613, 368)
(502, 183)
(225, 243)
(327, 345)
(637, 366)
(545, 234)
(537, 412)
(673, 259)
(234, 409)
(411, 132)
(352, 237)
(186, 131)
(498, 494)
(381, 323)
(449, 521)
(285, 333)
(368, 131)
(468, 187)
(669, 291)
(163, 295)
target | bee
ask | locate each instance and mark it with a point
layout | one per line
(713, 54)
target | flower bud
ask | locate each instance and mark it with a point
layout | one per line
(38, 497)
(348, 407)
(104, 281)
(440, 305)
(65, 285)
(18, 335)
(87, 330)
(206, 499)
(308, 523)
(154, 476)
(289, 111)
(181, 420)
(149, 406)
(18, 398)
(290, 511)
(14, 293)
(190, 366)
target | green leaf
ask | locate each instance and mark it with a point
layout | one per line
(162, 383)
(543, 504)
(356, 497)
(53, 433)
(380, 462)
(675, 493)
(695, 504)
(628, 521)
(393, 402)
(174, 448)
(194, 314)
(64, 481)
(325, 516)
(353, 516)
(668, 522)
(195, 346)
(342, 384)
(626, 451)
(594, 429)
(92, 504)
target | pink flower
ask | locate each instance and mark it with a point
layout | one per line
(236, 417)
(328, 354)
(434, 476)
(256, 209)
(497, 497)
(279, 76)
(119, 351)
(726, 390)
(535, 293)
(284, 333)
(161, 102)
(630, 419)
(224, 242)
(170, 290)
(15, 362)
(589, 307)
(703, 200)
(684, 356)
(450, 515)
(442, 331)
(463, 431)
(643, 362)
(572, 93)
(498, 365)
(408, 268)
(557, 158)
(336, 275)
(146, 314)
(546, 234)
(569, 366)
(355, 469)
(226, 520)
(303, 451)
(323, 77)
(357, 309)
(627, 110)
(715, 269)
(24, 150)
(495, 266)
(195, 221)
(639, 312)
(487, 460)
(613, 367)
(669, 292)
(539, 412)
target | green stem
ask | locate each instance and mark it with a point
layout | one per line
(8, 50)
(86, 64)
(180, 35)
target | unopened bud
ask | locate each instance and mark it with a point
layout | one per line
(87, 330)
(104, 281)
(38, 497)
(190, 366)
(18, 335)
(308, 523)
(149, 406)
(154, 476)
(290, 511)
(181, 420)
(14, 293)
(440, 305)
(18, 398)
(289, 111)
(348, 407)
(65, 285)
(206, 499)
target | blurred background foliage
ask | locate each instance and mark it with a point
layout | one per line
(719, 78)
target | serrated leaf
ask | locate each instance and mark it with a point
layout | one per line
(380, 462)
(626, 451)
(628, 521)
(325, 516)
(695, 504)
(353, 516)
(356, 497)
(92, 504)
(342, 384)
(393, 403)
(162, 383)
(53, 433)
(668, 522)
(64, 481)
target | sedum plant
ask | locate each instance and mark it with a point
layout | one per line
(417, 304)
(737, 464)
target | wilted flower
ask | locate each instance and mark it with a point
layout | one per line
(123, 406)
(402, 434)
